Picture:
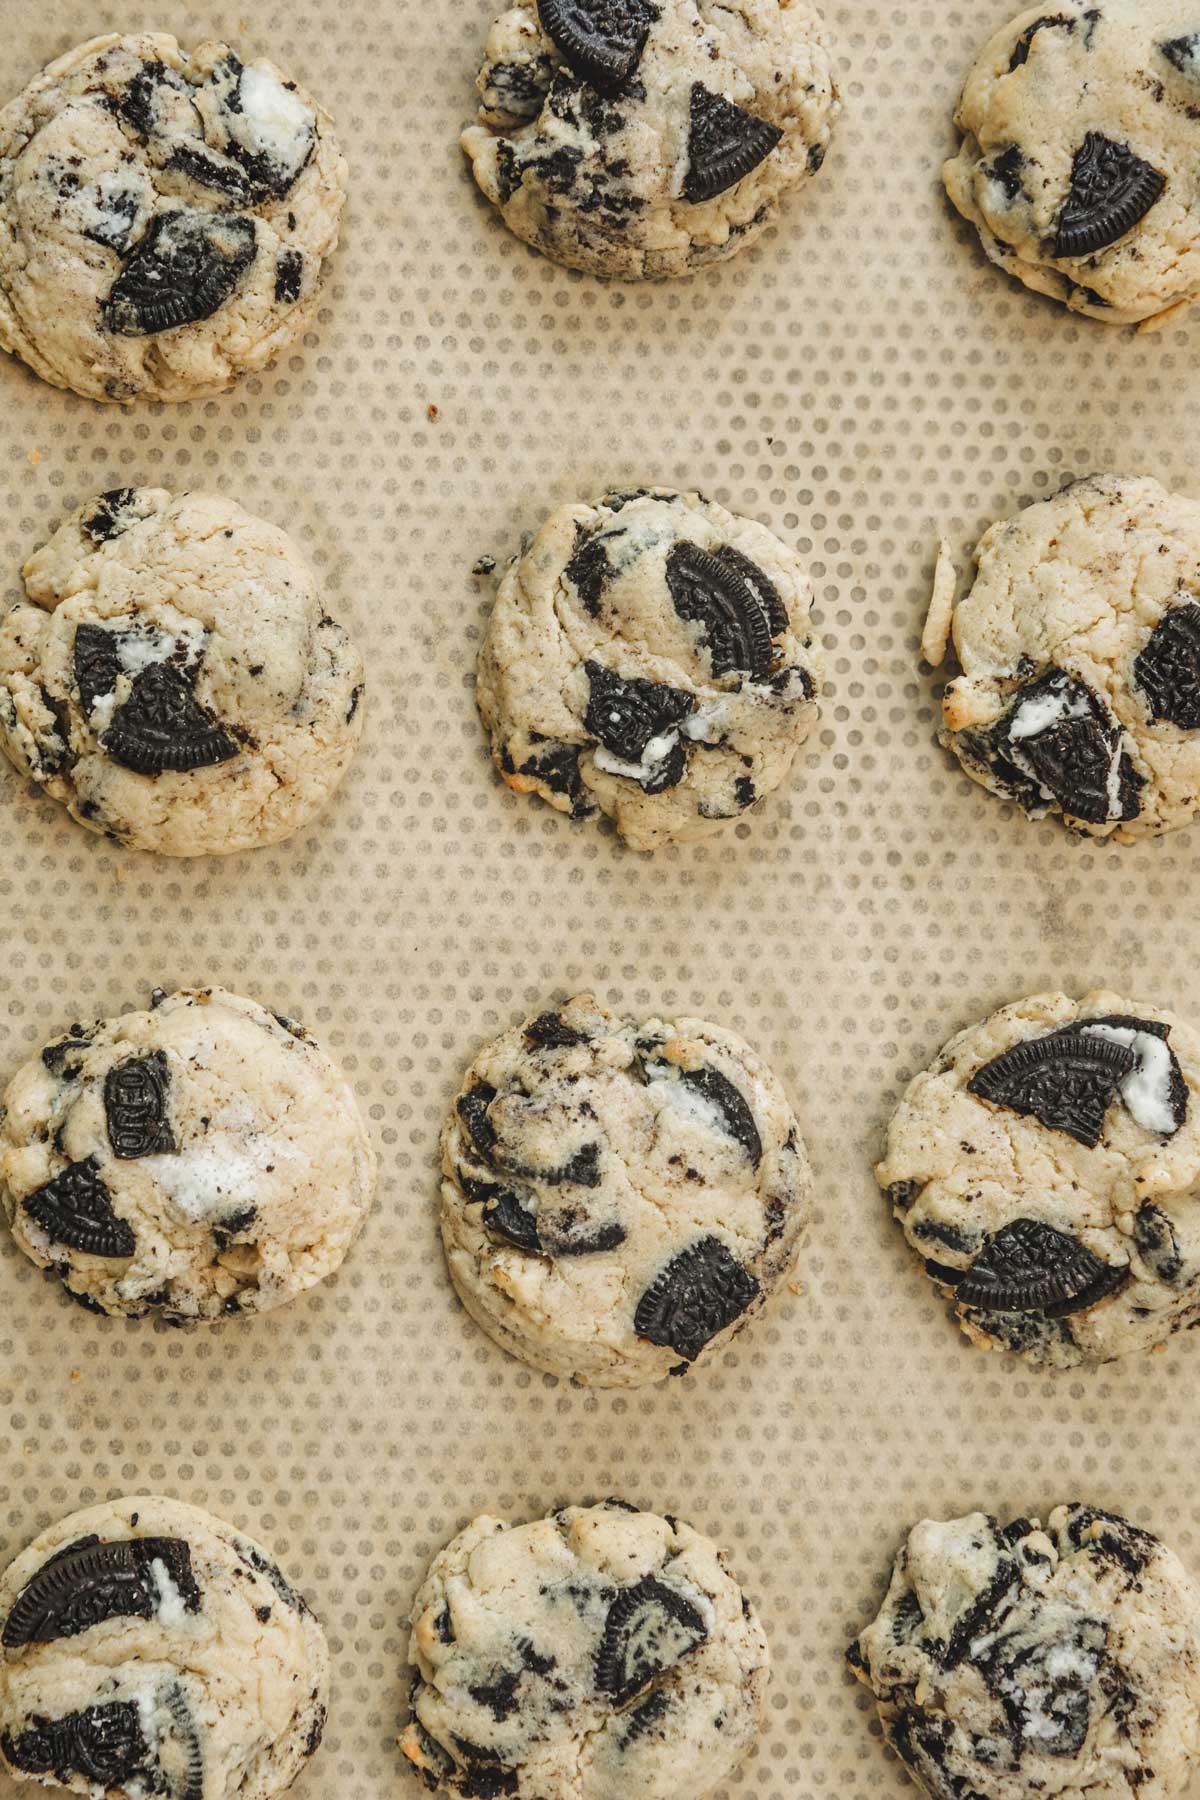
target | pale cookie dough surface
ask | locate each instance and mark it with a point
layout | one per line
(1010, 1661)
(174, 679)
(1080, 160)
(1080, 650)
(634, 139)
(599, 1654)
(164, 218)
(201, 1160)
(149, 1649)
(620, 1197)
(650, 657)
(1046, 1168)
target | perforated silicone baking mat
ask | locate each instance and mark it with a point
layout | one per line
(861, 382)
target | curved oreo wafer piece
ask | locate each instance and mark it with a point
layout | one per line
(1066, 1080)
(136, 1095)
(1167, 670)
(648, 1629)
(187, 265)
(724, 144)
(163, 726)
(1020, 55)
(626, 717)
(601, 40)
(75, 1209)
(89, 1582)
(695, 1297)
(1030, 1266)
(1112, 190)
(734, 604)
(104, 1744)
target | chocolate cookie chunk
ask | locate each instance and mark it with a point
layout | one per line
(619, 1198)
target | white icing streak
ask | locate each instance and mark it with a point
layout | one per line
(171, 1608)
(1146, 1090)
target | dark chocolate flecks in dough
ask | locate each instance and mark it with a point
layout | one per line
(1154, 1235)
(648, 1629)
(109, 520)
(1112, 190)
(187, 265)
(1183, 53)
(724, 144)
(75, 1209)
(1020, 55)
(590, 571)
(550, 1031)
(289, 276)
(136, 1107)
(89, 1581)
(701, 1292)
(601, 40)
(1167, 670)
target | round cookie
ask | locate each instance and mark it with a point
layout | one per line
(650, 657)
(201, 1160)
(1080, 160)
(1009, 1661)
(595, 1655)
(1080, 649)
(174, 679)
(620, 1197)
(164, 218)
(147, 1648)
(1046, 1170)
(633, 139)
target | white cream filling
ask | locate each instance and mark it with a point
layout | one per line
(273, 119)
(171, 1607)
(1146, 1090)
(653, 757)
(219, 1174)
(1041, 712)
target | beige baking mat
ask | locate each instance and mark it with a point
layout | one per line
(860, 382)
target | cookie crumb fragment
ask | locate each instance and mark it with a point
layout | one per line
(936, 635)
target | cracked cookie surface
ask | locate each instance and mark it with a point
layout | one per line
(148, 1648)
(1080, 159)
(618, 1198)
(1009, 1660)
(173, 678)
(199, 1161)
(164, 218)
(1079, 644)
(650, 657)
(1045, 1169)
(593, 1655)
(646, 138)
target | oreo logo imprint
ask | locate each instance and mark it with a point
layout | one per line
(136, 1095)
(1030, 1267)
(602, 40)
(1112, 190)
(697, 1296)
(1167, 669)
(649, 1628)
(738, 610)
(187, 266)
(162, 726)
(633, 720)
(75, 1209)
(1069, 1078)
(724, 144)
(89, 1582)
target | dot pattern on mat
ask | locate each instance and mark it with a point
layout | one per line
(862, 382)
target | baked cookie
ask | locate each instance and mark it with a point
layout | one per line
(1010, 1660)
(1046, 1170)
(619, 1197)
(650, 657)
(164, 218)
(200, 1160)
(147, 1648)
(595, 1655)
(174, 679)
(1080, 160)
(643, 138)
(1080, 649)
